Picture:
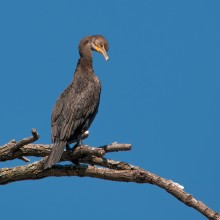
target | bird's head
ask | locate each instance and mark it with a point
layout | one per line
(96, 43)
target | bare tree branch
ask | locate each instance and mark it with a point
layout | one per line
(93, 164)
(10, 150)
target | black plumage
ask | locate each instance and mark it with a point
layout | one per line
(76, 107)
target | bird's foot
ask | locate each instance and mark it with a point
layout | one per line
(71, 149)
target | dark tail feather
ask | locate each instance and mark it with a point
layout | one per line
(55, 154)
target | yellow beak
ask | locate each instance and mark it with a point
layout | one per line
(101, 50)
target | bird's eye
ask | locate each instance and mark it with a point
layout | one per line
(100, 45)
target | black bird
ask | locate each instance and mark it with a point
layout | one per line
(76, 107)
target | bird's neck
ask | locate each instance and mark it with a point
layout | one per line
(85, 60)
(85, 63)
(86, 54)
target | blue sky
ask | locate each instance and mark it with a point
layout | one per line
(160, 93)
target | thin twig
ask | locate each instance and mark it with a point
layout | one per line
(25, 159)
(115, 147)
(8, 151)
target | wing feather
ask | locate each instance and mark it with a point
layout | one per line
(74, 109)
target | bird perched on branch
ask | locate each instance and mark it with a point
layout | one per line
(76, 107)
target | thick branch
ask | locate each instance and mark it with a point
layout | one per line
(134, 174)
(42, 150)
(107, 169)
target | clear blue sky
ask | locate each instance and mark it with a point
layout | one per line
(160, 93)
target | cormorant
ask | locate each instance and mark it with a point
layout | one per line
(76, 107)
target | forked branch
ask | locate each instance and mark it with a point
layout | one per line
(92, 164)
